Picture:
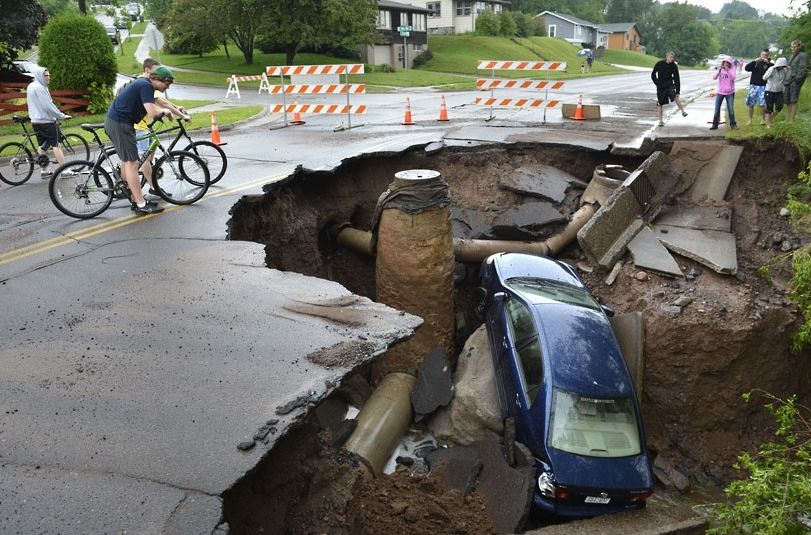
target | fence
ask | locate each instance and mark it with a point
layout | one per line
(327, 88)
(12, 100)
(493, 83)
(233, 83)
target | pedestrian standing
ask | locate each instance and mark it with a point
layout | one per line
(43, 114)
(589, 58)
(725, 92)
(665, 76)
(798, 69)
(757, 85)
(775, 79)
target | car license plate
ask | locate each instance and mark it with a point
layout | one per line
(597, 499)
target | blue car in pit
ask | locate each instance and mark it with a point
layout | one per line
(563, 381)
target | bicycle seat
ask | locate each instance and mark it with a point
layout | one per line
(91, 126)
(20, 119)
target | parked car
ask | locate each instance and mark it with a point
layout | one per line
(563, 381)
(122, 22)
(112, 33)
(17, 71)
(133, 10)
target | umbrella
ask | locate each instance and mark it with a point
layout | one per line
(583, 52)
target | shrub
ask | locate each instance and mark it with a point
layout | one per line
(507, 26)
(423, 57)
(538, 27)
(523, 24)
(100, 97)
(488, 24)
(77, 52)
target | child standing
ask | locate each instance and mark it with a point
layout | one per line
(725, 92)
(775, 77)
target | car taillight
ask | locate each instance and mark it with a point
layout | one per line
(561, 493)
(641, 496)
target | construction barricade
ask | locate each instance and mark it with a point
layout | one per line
(327, 88)
(233, 83)
(493, 83)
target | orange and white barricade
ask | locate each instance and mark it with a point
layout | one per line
(493, 83)
(233, 83)
(328, 88)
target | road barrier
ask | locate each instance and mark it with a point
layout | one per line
(493, 83)
(233, 83)
(331, 71)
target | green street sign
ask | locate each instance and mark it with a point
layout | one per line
(405, 34)
(402, 29)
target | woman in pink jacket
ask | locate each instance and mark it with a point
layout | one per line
(726, 91)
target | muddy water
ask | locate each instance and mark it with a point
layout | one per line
(732, 338)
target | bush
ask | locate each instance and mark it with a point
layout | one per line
(538, 27)
(523, 24)
(507, 26)
(100, 98)
(488, 24)
(77, 52)
(423, 57)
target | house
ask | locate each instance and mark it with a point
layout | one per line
(391, 47)
(576, 31)
(623, 36)
(459, 16)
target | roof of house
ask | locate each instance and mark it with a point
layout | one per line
(402, 7)
(570, 18)
(618, 27)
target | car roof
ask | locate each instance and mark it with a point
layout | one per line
(582, 351)
(510, 265)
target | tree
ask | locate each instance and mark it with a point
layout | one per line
(627, 10)
(19, 26)
(797, 28)
(190, 30)
(507, 26)
(523, 24)
(77, 51)
(590, 10)
(743, 37)
(242, 21)
(55, 7)
(676, 28)
(738, 10)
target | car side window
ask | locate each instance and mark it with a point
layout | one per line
(527, 346)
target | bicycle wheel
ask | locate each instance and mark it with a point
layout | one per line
(180, 177)
(213, 156)
(80, 189)
(75, 147)
(16, 163)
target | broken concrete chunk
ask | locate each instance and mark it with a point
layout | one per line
(698, 217)
(455, 468)
(434, 387)
(545, 181)
(668, 475)
(714, 249)
(523, 222)
(648, 253)
(708, 166)
(468, 223)
(330, 413)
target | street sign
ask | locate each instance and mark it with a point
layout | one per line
(405, 34)
(153, 37)
(402, 29)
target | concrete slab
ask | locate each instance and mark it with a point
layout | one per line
(630, 332)
(468, 223)
(434, 386)
(524, 221)
(590, 111)
(118, 421)
(699, 217)
(709, 166)
(649, 253)
(546, 182)
(712, 248)
(455, 468)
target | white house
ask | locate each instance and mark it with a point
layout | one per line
(458, 16)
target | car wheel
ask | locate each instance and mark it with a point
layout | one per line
(479, 303)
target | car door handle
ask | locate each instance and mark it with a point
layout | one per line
(504, 343)
(517, 401)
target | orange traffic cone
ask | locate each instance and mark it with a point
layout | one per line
(296, 115)
(443, 111)
(408, 120)
(215, 130)
(578, 113)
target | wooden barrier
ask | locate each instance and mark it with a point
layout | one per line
(12, 100)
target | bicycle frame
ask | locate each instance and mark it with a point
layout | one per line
(30, 136)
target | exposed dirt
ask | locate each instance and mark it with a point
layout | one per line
(733, 336)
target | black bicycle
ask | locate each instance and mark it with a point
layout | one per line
(85, 189)
(17, 160)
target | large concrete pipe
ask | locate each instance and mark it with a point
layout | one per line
(414, 266)
(383, 421)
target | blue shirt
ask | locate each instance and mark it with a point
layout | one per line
(128, 106)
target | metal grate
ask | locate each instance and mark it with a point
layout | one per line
(643, 190)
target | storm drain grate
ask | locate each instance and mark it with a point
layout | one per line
(642, 189)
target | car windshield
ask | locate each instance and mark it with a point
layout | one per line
(553, 290)
(594, 427)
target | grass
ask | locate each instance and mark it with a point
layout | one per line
(627, 57)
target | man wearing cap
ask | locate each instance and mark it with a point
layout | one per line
(129, 107)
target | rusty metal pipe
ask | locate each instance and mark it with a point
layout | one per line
(383, 420)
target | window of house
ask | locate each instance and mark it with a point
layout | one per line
(463, 7)
(552, 30)
(481, 7)
(435, 9)
(383, 20)
(497, 8)
(418, 22)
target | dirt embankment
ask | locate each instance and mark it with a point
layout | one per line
(732, 337)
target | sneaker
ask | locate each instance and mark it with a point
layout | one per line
(149, 208)
(684, 114)
(714, 127)
(661, 123)
(68, 172)
(156, 194)
(733, 127)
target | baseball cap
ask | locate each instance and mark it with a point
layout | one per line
(163, 73)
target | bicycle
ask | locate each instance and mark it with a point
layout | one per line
(84, 189)
(17, 160)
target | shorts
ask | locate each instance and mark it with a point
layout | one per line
(123, 137)
(666, 95)
(755, 96)
(791, 92)
(47, 135)
(774, 101)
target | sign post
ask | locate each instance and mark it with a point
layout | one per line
(405, 32)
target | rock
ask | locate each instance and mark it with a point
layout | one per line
(784, 212)
(434, 387)
(659, 293)
(474, 408)
(740, 276)
(246, 445)
(641, 276)
(693, 272)
(786, 246)
(683, 301)
(668, 475)
(584, 267)
(673, 310)
(615, 271)
(398, 507)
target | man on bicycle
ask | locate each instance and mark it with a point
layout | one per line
(43, 114)
(134, 102)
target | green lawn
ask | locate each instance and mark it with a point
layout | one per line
(798, 132)
(626, 57)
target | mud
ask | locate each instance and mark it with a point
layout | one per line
(732, 337)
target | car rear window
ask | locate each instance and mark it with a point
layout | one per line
(594, 427)
(554, 291)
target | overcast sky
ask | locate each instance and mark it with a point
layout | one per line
(781, 7)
